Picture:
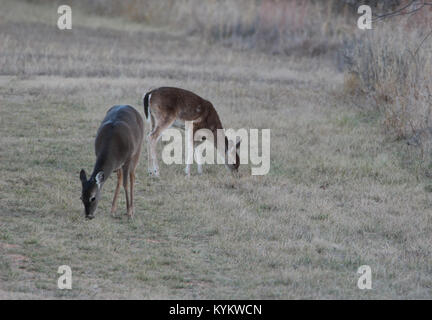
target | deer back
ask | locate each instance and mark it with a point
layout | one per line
(119, 136)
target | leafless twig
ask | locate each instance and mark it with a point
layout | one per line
(421, 43)
(400, 11)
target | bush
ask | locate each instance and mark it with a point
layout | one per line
(277, 26)
(392, 65)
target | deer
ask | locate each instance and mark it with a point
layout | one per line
(167, 107)
(117, 147)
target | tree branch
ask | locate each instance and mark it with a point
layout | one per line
(400, 11)
(421, 43)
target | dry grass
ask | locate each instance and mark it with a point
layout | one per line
(392, 64)
(288, 27)
(338, 195)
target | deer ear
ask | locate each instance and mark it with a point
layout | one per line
(83, 176)
(100, 178)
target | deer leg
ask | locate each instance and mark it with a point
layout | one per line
(117, 190)
(199, 166)
(132, 181)
(187, 170)
(125, 186)
(199, 158)
(154, 138)
(190, 150)
(150, 157)
(152, 125)
(155, 168)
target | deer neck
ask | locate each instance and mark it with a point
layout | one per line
(104, 164)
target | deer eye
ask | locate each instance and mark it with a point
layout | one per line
(92, 199)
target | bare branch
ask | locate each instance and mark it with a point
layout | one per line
(421, 43)
(400, 11)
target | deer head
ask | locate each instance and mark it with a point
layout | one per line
(90, 193)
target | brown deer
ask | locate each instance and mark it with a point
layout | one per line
(166, 107)
(118, 147)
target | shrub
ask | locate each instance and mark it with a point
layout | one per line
(393, 65)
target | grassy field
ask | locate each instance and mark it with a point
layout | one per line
(339, 194)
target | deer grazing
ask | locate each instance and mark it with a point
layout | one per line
(118, 147)
(166, 107)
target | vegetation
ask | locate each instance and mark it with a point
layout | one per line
(342, 191)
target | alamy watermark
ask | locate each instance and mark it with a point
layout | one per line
(364, 22)
(64, 22)
(242, 142)
(365, 280)
(65, 280)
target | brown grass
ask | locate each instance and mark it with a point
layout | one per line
(339, 193)
(288, 27)
(392, 64)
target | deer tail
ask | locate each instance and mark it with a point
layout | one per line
(146, 102)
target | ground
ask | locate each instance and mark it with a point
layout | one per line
(339, 194)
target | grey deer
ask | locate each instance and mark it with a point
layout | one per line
(118, 147)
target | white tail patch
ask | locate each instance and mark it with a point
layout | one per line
(148, 119)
